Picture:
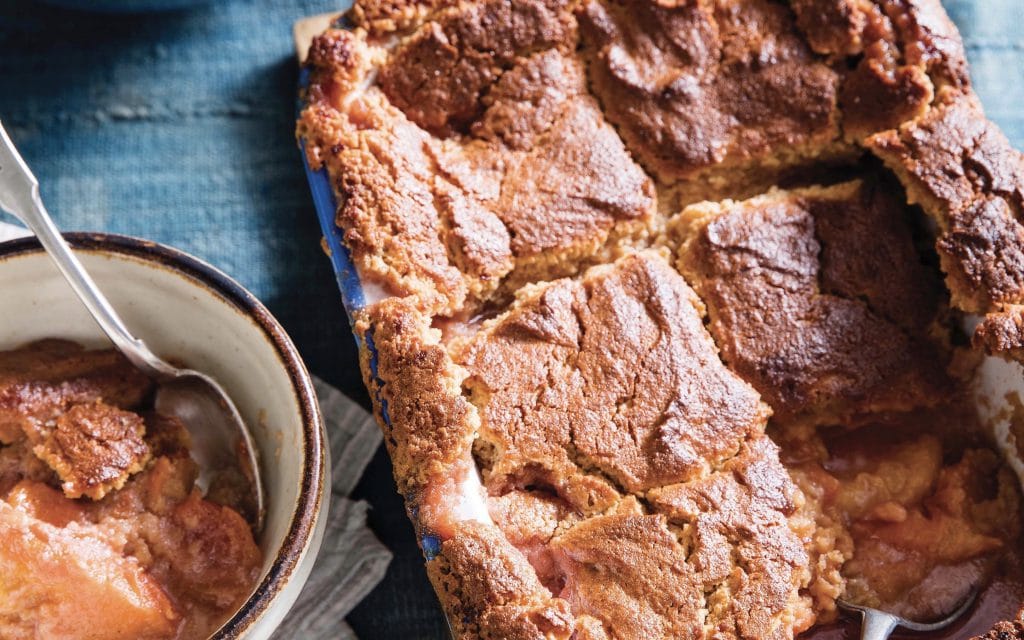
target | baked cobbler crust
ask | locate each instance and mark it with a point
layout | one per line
(608, 243)
(818, 298)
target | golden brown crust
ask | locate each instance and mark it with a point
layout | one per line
(447, 219)
(905, 52)
(753, 566)
(383, 174)
(437, 75)
(1005, 630)
(742, 87)
(1002, 333)
(631, 573)
(598, 376)
(428, 425)
(470, 159)
(94, 448)
(961, 169)
(382, 17)
(963, 172)
(490, 591)
(40, 381)
(818, 299)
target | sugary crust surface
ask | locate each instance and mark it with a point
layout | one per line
(489, 590)
(961, 169)
(447, 198)
(437, 76)
(818, 299)
(1002, 333)
(709, 84)
(69, 406)
(94, 449)
(480, 150)
(42, 380)
(613, 374)
(753, 568)
(1006, 630)
(428, 424)
(620, 347)
(963, 172)
(382, 17)
(905, 52)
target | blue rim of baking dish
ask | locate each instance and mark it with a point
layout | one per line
(353, 296)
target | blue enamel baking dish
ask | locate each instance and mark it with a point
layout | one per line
(352, 294)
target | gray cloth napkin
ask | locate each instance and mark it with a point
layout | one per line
(352, 561)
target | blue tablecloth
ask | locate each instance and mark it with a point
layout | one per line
(178, 127)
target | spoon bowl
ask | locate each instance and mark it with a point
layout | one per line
(879, 625)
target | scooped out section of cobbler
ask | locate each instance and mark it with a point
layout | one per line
(103, 531)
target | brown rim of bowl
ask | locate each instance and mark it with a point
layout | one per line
(300, 531)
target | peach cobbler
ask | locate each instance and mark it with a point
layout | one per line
(103, 531)
(667, 308)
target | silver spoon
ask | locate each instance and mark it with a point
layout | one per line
(879, 625)
(221, 442)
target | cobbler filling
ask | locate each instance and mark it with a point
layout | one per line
(103, 531)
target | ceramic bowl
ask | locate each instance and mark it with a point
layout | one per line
(187, 310)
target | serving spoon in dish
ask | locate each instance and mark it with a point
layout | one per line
(222, 445)
(879, 625)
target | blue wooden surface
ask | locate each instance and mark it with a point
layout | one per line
(178, 127)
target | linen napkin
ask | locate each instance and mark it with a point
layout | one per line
(352, 561)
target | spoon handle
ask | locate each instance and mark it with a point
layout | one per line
(19, 196)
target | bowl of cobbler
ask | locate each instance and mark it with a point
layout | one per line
(106, 530)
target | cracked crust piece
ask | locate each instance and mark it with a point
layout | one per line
(95, 448)
(1006, 630)
(739, 522)
(513, 176)
(71, 407)
(605, 384)
(712, 92)
(588, 411)
(1001, 333)
(905, 52)
(718, 558)
(437, 204)
(818, 298)
(490, 591)
(438, 75)
(42, 380)
(963, 172)
(428, 424)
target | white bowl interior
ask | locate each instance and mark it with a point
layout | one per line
(179, 318)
